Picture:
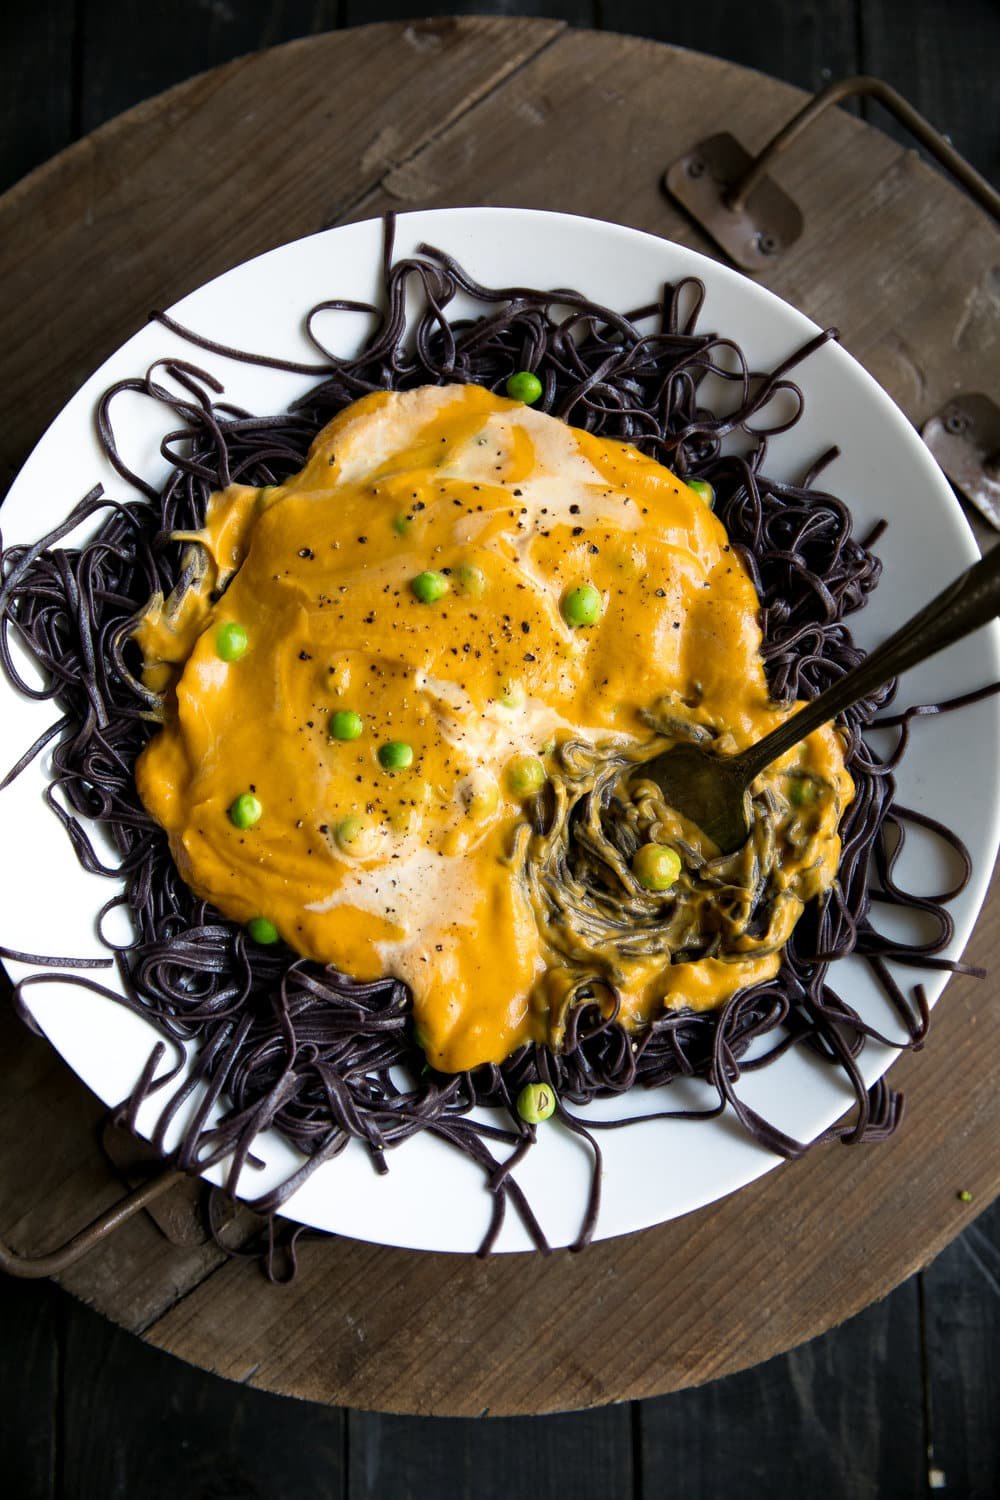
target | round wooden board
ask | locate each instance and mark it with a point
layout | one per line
(522, 112)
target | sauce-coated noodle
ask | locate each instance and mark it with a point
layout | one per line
(428, 869)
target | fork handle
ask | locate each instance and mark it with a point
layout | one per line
(972, 600)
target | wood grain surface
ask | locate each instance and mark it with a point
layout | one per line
(503, 111)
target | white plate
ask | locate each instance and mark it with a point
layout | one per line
(432, 1198)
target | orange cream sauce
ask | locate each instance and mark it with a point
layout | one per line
(406, 871)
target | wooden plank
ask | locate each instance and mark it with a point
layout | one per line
(134, 178)
(180, 38)
(807, 43)
(841, 1417)
(933, 55)
(586, 1455)
(37, 114)
(962, 1339)
(30, 1317)
(928, 325)
(137, 1423)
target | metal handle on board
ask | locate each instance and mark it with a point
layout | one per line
(752, 220)
(35, 1267)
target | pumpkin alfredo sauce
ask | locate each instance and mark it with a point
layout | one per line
(404, 688)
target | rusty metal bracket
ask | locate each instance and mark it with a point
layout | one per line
(964, 437)
(179, 1215)
(752, 220)
(184, 1208)
(51, 1264)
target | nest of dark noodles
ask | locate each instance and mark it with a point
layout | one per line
(287, 1043)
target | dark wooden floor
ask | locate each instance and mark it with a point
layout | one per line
(900, 1402)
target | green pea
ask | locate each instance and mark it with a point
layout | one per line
(656, 867)
(965, 1196)
(471, 580)
(349, 830)
(703, 490)
(245, 811)
(395, 755)
(262, 930)
(536, 1102)
(401, 524)
(230, 641)
(429, 587)
(525, 775)
(802, 792)
(582, 605)
(524, 385)
(345, 724)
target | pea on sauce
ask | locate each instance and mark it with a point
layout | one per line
(378, 658)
